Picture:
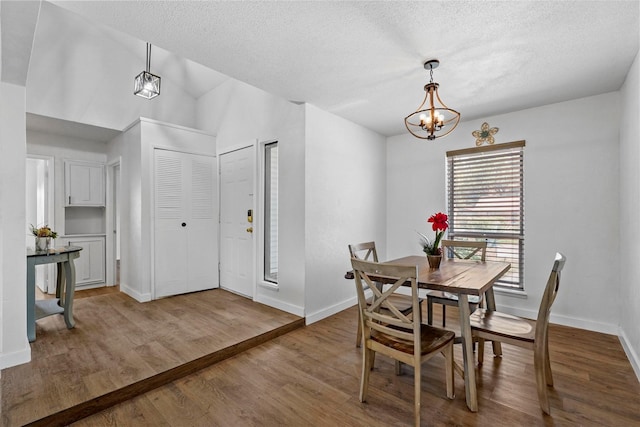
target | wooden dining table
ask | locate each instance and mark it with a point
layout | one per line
(462, 278)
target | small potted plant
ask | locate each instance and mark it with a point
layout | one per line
(43, 237)
(432, 247)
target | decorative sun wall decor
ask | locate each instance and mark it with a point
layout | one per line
(485, 134)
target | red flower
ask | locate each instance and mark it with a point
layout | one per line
(439, 221)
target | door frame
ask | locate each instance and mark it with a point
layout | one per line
(111, 210)
(50, 218)
(257, 228)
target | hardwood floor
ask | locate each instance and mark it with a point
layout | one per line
(120, 349)
(308, 376)
(311, 376)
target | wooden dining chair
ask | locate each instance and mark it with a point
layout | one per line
(367, 251)
(497, 326)
(460, 249)
(390, 332)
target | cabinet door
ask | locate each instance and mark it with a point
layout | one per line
(186, 235)
(84, 184)
(90, 266)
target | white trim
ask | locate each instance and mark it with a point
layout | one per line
(605, 328)
(268, 285)
(630, 352)
(135, 294)
(171, 125)
(14, 358)
(110, 241)
(237, 147)
(289, 308)
(330, 311)
(258, 220)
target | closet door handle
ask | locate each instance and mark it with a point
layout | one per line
(184, 224)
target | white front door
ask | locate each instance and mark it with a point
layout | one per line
(236, 206)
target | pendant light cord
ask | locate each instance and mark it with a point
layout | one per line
(148, 58)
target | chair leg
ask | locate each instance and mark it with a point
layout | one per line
(398, 367)
(444, 315)
(417, 376)
(367, 356)
(539, 366)
(480, 351)
(429, 311)
(448, 356)
(547, 370)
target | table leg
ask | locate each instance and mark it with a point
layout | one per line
(31, 300)
(60, 283)
(491, 305)
(69, 291)
(467, 353)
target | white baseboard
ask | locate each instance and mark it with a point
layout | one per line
(330, 311)
(605, 328)
(630, 352)
(135, 294)
(272, 302)
(19, 357)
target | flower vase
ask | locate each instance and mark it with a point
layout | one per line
(434, 261)
(43, 243)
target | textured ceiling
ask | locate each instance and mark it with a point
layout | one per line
(363, 60)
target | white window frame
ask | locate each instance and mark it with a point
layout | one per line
(268, 237)
(499, 218)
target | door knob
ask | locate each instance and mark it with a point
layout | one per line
(250, 230)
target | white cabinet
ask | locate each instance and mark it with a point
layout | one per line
(90, 267)
(84, 183)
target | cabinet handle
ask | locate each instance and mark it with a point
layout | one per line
(69, 199)
(184, 224)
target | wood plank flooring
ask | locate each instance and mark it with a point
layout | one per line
(311, 377)
(121, 348)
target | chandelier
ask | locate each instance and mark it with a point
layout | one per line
(145, 84)
(432, 119)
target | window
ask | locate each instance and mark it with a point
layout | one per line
(486, 201)
(271, 212)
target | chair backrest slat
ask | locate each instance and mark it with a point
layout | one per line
(396, 275)
(464, 249)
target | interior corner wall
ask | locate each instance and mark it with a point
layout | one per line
(240, 114)
(14, 346)
(345, 203)
(571, 190)
(630, 216)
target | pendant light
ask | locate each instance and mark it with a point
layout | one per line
(145, 84)
(432, 119)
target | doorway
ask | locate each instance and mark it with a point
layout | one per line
(39, 211)
(113, 224)
(237, 259)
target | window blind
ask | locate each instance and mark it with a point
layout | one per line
(486, 202)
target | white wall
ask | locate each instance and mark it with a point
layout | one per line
(63, 148)
(571, 202)
(74, 95)
(135, 148)
(629, 217)
(345, 202)
(240, 114)
(14, 346)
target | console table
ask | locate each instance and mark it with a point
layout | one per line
(65, 286)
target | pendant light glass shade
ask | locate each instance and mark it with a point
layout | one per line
(145, 84)
(433, 119)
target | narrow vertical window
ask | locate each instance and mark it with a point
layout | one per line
(271, 212)
(486, 202)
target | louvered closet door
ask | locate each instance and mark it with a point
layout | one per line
(186, 238)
